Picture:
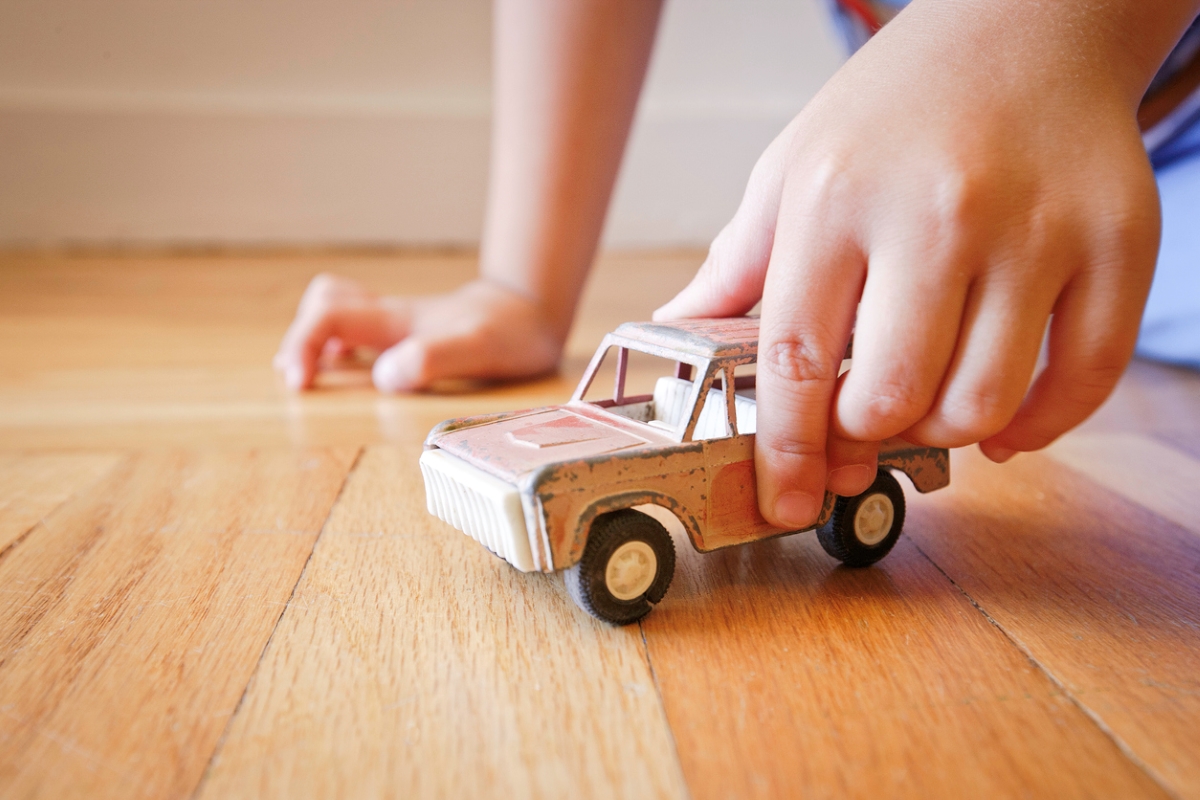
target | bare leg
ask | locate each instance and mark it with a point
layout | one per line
(567, 78)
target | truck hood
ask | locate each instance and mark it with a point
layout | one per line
(515, 445)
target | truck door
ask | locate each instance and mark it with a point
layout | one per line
(733, 516)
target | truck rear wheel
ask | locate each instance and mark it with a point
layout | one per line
(864, 528)
(626, 567)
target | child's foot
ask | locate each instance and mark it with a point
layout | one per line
(480, 331)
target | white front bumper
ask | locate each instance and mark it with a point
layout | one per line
(480, 505)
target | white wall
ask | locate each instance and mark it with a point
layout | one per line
(310, 121)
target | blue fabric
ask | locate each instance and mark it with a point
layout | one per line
(1171, 323)
(1181, 143)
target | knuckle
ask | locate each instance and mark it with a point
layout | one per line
(1035, 431)
(1129, 222)
(798, 361)
(1076, 394)
(970, 415)
(973, 414)
(1105, 370)
(1091, 380)
(828, 181)
(961, 198)
(793, 447)
(890, 404)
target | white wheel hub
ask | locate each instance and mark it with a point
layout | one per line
(630, 571)
(873, 519)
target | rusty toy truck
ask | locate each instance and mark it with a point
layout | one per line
(585, 487)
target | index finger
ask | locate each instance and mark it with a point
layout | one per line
(812, 286)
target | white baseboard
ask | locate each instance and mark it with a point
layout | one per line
(162, 177)
(247, 122)
(176, 176)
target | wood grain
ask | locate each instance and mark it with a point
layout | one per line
(1159, 401)
(885, 682)
(134, 615)
(1035, 634)
(1102, 593)
(157, 351)
(412, 663)
(1140, 469)
(34, 484)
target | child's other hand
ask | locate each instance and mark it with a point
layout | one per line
(480, 331)
(965, 180)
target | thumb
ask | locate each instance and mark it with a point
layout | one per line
(730, 280)
(409, 366)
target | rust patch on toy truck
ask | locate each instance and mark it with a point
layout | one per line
(570, 517)
(673, 475)
(927, 467)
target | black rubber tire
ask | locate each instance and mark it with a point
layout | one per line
(837, 536)
(586, 580)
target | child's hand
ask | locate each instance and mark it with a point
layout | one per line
(964, 179)
(482, 330)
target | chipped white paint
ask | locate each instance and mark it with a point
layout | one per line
(481, 505)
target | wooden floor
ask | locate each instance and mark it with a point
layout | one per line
(211, 588)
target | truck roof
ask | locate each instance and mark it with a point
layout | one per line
(709, 338)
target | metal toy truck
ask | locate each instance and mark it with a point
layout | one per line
(582, 487)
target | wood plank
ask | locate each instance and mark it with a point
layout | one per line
(132, 618)
(1140, 469)
(785, 676)
(1101, 592)
(34, 484)
(413, 663)
(1157, 400)
(154, 351)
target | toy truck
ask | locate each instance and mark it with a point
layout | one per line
(585, 486)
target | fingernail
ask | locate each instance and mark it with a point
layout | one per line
(850, 480)
(999, 454)
(797, 509)
(294, 377)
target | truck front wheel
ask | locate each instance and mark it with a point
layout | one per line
(864, 528)
(627, 565)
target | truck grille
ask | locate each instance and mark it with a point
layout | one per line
(480, 505)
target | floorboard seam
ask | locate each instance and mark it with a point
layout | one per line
(663, 707)
(8, 548)
(1042, 668)
(212, 759)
